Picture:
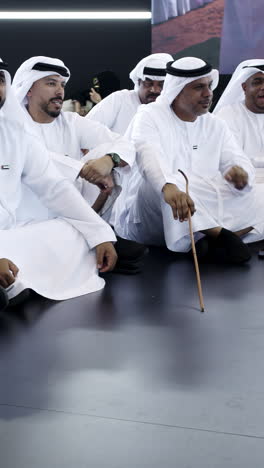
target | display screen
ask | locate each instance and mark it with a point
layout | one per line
(223, 32)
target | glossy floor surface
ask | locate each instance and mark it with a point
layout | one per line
(135, 376)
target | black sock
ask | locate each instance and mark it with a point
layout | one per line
(236, 250)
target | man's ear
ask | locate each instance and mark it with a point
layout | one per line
(29, 93)
(244, 86)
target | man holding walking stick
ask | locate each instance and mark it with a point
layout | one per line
(177, 132)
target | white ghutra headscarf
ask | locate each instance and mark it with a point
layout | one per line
(184, 71)
(33, 70)
(153, 67)
(234, 92)
(11, 109)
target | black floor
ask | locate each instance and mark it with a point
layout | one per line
(135, 376)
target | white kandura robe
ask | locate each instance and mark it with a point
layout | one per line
(116, 110)
(248, 128)
(162, 10)
(199, 3)
(205, 150)
(56, 258)
(64, 138)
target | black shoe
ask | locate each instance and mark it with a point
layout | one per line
(130, 256)
(4, 301)
(202, 248)
(261, 254)
(235, 250)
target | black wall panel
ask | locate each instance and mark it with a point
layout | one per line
(86, 46)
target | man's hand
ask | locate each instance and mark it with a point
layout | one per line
(94, 96)
(106, 185)
(237, 176)
(106, 257)
(179, 202)
(95, 169)
(8, 272)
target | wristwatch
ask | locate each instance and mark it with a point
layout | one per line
(115, 158)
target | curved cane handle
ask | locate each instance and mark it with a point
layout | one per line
(186, 179)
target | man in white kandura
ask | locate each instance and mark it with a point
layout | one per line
(57, 258)
(241, 106)
(177, 132)
(39, 84)
(118, 109)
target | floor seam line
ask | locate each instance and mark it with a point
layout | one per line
(135, 421)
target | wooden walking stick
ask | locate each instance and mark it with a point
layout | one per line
(193, 248)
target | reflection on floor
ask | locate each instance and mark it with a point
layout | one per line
(135, 376)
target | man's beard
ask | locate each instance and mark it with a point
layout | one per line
(2, 101)
(152, 96)
(53, 114)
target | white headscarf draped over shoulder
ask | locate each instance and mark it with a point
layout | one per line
(153, 61)
(184, 71)
(234, 92)
(11, 109)
(34, 69)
